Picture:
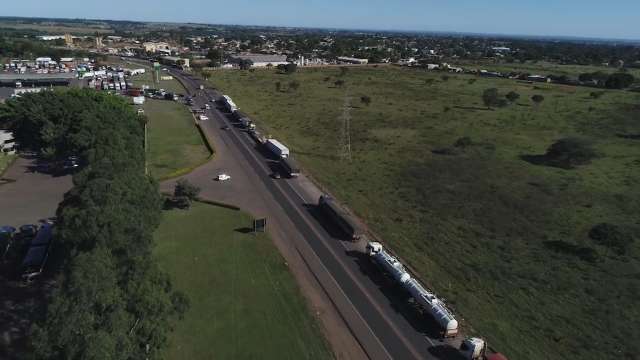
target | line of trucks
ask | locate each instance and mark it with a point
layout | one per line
(471, 348)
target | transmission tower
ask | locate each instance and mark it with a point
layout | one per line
(345, 129)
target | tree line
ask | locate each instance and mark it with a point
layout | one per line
(111, 300)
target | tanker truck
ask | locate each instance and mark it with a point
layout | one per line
(477, 349)
(426, 299)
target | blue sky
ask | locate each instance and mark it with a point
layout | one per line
(586, 18)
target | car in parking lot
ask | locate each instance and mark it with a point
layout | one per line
(223, 177)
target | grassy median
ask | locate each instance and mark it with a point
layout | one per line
(174, 142)
(450, 185)
(244, 301)
(5, 160)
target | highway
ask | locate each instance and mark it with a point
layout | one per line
(376, 313)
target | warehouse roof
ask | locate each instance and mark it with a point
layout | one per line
(261, 58)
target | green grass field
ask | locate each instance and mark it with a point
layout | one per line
(480, 225)
(5, 160)
(174, 142)
(244, 301)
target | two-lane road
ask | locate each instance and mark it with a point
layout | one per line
(376, 314)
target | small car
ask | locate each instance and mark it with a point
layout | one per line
(223, 177)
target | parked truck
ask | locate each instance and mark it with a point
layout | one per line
(277, 148)
(339, 217)
(427, 300)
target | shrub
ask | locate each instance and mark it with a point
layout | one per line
(463, 142)
(365, 100)
(570, 152)
(611, 236)
(185, 188)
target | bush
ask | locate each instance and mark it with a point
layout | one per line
(619, 81)
(463, 142)
(365, 100)
(512, 96)
(612, 237)
(185, 188)
(570, 152)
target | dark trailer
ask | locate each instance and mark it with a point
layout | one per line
(340, 217)
(289, 167)
(33, 262)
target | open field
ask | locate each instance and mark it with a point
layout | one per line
(5, 160)
(57, 28)
(174, 142)
(545, 68)
(244, 301)
(501, 238)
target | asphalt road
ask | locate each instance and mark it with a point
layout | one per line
(376, 312)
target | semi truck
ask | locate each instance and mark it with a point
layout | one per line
(477, 349)
(277, 148)
(339, 217)
(228, 104)
(289, 167)
(427, 300)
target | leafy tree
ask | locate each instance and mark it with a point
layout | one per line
(185, 188)
(619, 80)
(596, 94)
(537, 99)
(445, 78)
(490, 97)
(215, 56)
(463, 142)
(339, 83)
(612, 237)
(512, 96)
(245, 64)
(343, 71)
(365, 100)
(290, 68)
(570, 152)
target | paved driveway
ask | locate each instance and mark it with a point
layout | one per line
(31, 195)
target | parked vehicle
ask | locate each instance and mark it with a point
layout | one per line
(477, 349)
(277, 148)
(339, 217)
(223, 177)
(203, 117)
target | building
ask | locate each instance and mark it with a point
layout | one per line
(175, 61)
(351, 60)
(261, 60)
(154, 47)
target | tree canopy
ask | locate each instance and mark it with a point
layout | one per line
(111, 300)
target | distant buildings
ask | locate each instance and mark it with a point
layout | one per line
(261, 60)
(352, 60)
(155, 47)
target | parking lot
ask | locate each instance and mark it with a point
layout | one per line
(27, 195)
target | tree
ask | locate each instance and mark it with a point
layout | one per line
(512, 96)
(619, 80)
(278, 86)
(339, 83)
(206, 74)
(290, 68)
(612, 237)
(365, 100)
(569, 152)
(490, 97)
(343, 71)
(445, 78)
(294, 85)
(245, 64)
(185, 188)
(596, 94)
(215, 56)
(537, 99)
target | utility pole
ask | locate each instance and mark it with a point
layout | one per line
(345, 129)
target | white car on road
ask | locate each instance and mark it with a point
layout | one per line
(203, 118)
(223, 177)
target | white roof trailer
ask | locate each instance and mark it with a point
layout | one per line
(277, 148)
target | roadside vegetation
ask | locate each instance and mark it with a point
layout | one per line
(109, 300)
(5, 160)
(174, 143)
(245, 303)
(498, 193)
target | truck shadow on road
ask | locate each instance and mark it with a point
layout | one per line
(328, 226)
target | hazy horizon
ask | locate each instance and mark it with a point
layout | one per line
(543, 18)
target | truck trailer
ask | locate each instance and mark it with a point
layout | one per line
(289, 167)
(427, 300)
(339, 217)
(277, 148)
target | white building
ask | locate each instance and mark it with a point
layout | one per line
(153, 47)
(262, 60)
(352, 60)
